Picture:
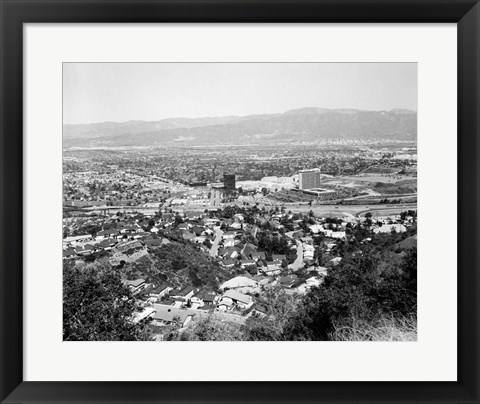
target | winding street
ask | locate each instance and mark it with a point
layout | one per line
(216, 242)
(299, 261)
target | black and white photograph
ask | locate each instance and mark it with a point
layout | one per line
(240, 202)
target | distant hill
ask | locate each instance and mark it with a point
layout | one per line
(298, 125)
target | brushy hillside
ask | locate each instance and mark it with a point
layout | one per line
(178, 265)
(387, 328)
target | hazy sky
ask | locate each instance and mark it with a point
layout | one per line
(98, 92)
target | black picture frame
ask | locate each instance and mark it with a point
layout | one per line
(465, 13)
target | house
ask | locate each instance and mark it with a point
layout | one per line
(204, 298)
(138, 235)
(146, 313)
(248, 264)
(77, 239)
(313, 281)
(179, 302)
(229, 252)
(316, 228)
(264, 281)
(247, 250)
(287, 281)
(229, 242)
(107, 233)
(255, 256)
(212, 222)
(193, 215)
(388, 228)
(197, 230)
(260, 310)
(239, 282)
(225, 304)
(228, 235)
(204, 249)
(273, 265)
(131, 229)
(188, 236)
(275, 225)
(159, 291)
(196, 302)
(69, 253)
(259, 255)
(322, 271)
(130, 245)
(308, 252)
(186, 293)
(330, 246)
(169, 314)
(239, 299)
(208, 232)
(135, 286)
(199, 239)
(279, 257)
(88, 249)
(239, 217)
(227, 263)
(306, 240)
(79, 250)
(272, 268)
(107, 243)
(209, 298)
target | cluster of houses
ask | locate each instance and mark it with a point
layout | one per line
(236, 301)
(223, 239)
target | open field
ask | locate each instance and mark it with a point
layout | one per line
(390, 178)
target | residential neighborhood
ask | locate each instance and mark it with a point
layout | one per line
(240, 243)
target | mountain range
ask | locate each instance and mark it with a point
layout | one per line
(304, 125)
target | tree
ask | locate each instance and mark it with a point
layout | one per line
(97, 306)
(398, 289)
(209, 328)
(178, 220)
(277, 326)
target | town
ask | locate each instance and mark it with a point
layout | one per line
(196, 234)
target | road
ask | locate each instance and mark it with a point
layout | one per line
(352, 210)
(299, 261)
(387, 210)
(216, 242)
(318, 210)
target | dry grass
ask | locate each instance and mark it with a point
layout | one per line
(385, 329)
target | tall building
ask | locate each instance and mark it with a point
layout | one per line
(216, 194)
(309, 178)
(229, 181)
